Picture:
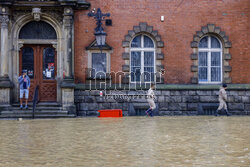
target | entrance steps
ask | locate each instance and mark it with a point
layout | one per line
(43, 110)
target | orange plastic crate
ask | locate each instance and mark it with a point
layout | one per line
(110, 113)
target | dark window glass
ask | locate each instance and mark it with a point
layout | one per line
(215, 43)
(148, 43)
(99, 65)
(203, 66)
(37, 30)
(135, 66)
(215, 58)
(48, 63)
(28, 61)
(203, 42)
(136, 43)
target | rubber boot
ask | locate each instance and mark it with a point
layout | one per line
(148, 111)
(151, 113)
(216, 113)
(228, 114)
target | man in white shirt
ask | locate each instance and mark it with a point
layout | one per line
(150, 99)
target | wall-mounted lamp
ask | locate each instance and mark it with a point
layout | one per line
(100, 35)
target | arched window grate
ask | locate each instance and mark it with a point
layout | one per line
(37, 30)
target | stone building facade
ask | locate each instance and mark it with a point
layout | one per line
(190, 47)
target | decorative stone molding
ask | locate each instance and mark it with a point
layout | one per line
(194, 68)
(4, 20)
(125, 56)
(68, 17)
(142, 28)
(36, 13)
(159, 56)
(125, 68)
(54, 45)
(226, 56)
(20, 45)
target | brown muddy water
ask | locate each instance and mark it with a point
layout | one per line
(126, 142)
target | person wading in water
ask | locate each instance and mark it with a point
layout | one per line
(150, 99)
(222, 100)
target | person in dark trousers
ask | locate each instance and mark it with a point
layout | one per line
(150, 99)
(222, 100)
(24, 85)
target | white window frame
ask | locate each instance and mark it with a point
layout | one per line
(209, 50)
(99, 52)
(142, 50)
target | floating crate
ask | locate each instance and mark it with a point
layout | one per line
(110, 113)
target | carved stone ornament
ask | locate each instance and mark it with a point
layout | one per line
(54, 45)
(20, 45)
(4, 19)
(36, 13)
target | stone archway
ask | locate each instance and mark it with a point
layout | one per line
(226, 56)
(18, 43)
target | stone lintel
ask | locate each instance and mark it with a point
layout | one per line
(136, 29)
(211, 27)
(227, 56)
(159, 56)
(125, 44)
(194, 80)
(199, 33)
(194, 68)
(227, 68)
(194, 44)
(149, 29)
(194, 56)
(204, 29)
(125, 56)
(131, 33)
(228, 45)
(125, 68)
(143, 26)
(160, 44)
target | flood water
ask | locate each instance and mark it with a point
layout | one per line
(126, 142)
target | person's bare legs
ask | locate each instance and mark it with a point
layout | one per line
(21, 103)
(26, 102)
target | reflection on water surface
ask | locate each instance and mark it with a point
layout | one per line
(127, 141)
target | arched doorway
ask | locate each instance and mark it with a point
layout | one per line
(38, 57)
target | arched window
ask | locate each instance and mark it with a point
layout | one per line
(37, 30)
(142, 59)
(210, 60)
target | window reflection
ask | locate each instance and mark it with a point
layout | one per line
(48, 63)
(28, 61)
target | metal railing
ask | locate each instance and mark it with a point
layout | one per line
(35, 100)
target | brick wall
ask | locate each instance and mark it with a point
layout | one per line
(182, 20)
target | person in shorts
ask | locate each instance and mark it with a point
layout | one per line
(24, 85)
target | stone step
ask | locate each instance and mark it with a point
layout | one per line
(41, 104)
(37, 116)
(37, 108)
(16, 112)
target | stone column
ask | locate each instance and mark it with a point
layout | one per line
(4, 20)
(67, 86)
(67, 32)
(5, 83)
